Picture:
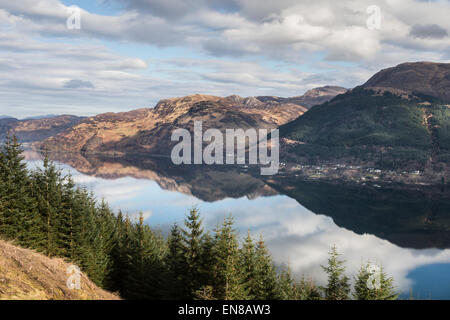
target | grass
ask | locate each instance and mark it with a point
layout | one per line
(28, 275)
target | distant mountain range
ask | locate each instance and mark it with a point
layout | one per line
(311, 98)
(261, 111)
(149, 130)
(48, 116)
(36, 129)
(400, 118)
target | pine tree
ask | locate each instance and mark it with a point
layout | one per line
(207, 259)
(266, 279)
(176, 264)
(285, 285)
(372, 283)
(102, 244)
(118, 265)
(228, 277)
(147, 253)
(48, 192)
(68, 225)
(18, 217)
(192, 242)
(338, 287)
(248, 265)
(306, 290)
(126, 259)
(87, 242)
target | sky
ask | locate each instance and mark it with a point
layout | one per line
(89, 57)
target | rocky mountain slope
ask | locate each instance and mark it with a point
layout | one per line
(27, 275)
(397, 119)
(311, 98)
(36, 129)
(420, 78)
(149, 130)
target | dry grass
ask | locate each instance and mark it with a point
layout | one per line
(28, 275)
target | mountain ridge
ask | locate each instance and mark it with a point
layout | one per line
(31, 130)
(423, 78)
(311, 97)
(149, 129)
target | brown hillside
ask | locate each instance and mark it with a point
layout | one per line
(149, 130)
(27, 275)
(36, 129)
(311, 98)
(428, 78)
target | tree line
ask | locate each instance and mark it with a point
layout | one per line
(44, 210)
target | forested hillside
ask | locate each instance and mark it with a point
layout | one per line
(385, 129)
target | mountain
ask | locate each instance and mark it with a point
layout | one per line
(41, 117)
(418, 78)
(5, 117)
(310, 98)
(28, 275)
(149, 130)
(398, 119)
(36, 129)
(6, 125)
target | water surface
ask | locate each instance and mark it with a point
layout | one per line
(407, 231)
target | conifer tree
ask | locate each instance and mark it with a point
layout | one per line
(18, 216)
(126, 259)
(207, 259)
(49, 202)
(285, 285)
(118, 271)
(306, 290)
(374, 284)
(338, 286)
(192, 243)
(147, 252)
(102, 244)
(176, 266)
(228, 278)
(248, 266)
(266, 280)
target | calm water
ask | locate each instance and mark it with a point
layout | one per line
(406, 232)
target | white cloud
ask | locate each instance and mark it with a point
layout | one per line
(279, 48)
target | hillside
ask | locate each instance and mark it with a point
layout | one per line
(25, 274)
(149, 130)
(422, 78)
(311, 98)
(30, 130)
(387, 127)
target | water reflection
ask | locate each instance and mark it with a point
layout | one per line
(405, 230)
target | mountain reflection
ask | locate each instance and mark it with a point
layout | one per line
(207, 183)
(408, 217)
